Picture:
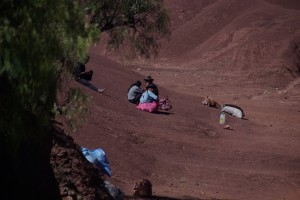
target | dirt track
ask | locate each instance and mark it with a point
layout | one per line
(186, 153)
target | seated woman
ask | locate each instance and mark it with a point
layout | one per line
(149, 101)
(135, 92)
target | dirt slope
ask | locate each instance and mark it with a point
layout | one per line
(241, 52)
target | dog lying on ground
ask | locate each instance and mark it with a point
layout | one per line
(211, 102)
(231, 109)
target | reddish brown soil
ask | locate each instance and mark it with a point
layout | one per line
(241, 52)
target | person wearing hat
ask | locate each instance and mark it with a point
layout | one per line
(135, 92)
(149, 100)
(149, 96)
(149, 80)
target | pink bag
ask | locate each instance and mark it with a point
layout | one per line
(149, 107)
(165, 104)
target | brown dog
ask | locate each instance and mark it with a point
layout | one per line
(211, 102)
(142, 188)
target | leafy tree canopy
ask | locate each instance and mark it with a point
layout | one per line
(143, 22)
(34, 36)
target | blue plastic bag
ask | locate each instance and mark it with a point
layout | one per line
(98, 158)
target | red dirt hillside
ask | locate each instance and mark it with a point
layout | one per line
(241, 52)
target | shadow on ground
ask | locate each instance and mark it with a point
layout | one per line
(165, 198)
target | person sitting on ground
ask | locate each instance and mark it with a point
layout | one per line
(149, 80)
(135, 92)
(84, 77)
(149, 101)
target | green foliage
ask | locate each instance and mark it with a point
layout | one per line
(76, 109)
(34, 35)
(141, 22)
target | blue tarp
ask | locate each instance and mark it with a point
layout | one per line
(98, 158)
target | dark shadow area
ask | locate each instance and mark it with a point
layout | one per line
(164, 113)
(166, 198)
(158, 198)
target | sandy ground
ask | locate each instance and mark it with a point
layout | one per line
(239, 52)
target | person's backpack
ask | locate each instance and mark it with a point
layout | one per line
(165, 104)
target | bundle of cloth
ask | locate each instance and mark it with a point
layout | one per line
(98, 158)
(233, 110)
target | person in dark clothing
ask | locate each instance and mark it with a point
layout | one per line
(84, 77)
(149, 80)
(135, 92)
(81, 73)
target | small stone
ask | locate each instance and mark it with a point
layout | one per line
(227, 127)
